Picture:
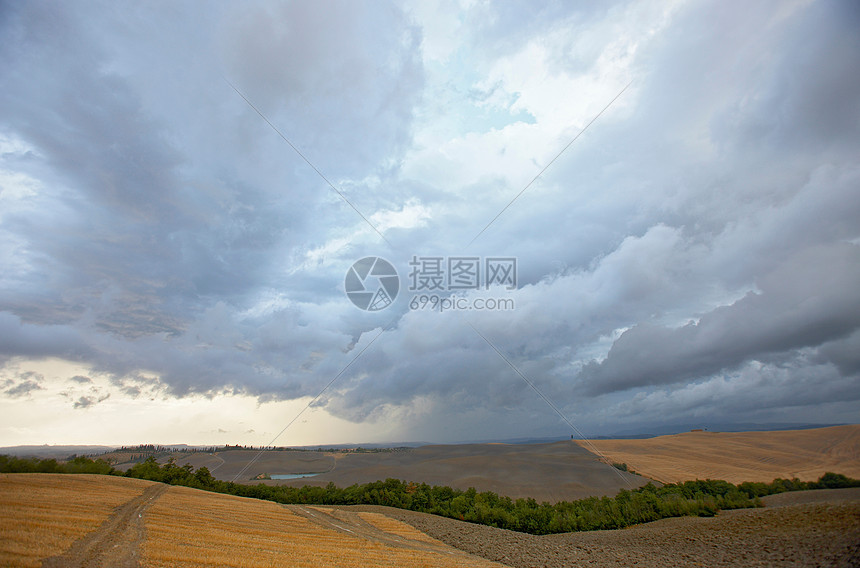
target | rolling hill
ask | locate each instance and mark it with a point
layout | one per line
(740, 456)
(546, 472)
(59, 521)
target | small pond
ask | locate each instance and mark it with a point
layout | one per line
(292, 475)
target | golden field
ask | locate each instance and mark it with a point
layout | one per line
(740, 456)
(42, 515)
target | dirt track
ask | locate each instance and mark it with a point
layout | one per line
(361, 524)
(815, 528)
(116, 542)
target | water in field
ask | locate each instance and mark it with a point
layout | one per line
(291, 475)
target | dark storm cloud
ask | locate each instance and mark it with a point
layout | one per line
(844, 353)
(165, 236)
(134, 228)
(40, 341)
(109, 204)
(792, 388)
(812, 299)
(343, 74)
(667, 224)
(809, 104)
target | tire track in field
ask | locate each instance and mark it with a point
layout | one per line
(116, 542)
(352, 524)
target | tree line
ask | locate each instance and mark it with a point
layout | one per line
(628, 507)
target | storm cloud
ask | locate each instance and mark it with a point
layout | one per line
(811, 299)
(701, 239)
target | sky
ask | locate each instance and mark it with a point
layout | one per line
(672, 189)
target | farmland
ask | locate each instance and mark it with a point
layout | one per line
(561, 470)
(740, 456)
(546, 472)
(97, 520)
(73, 520)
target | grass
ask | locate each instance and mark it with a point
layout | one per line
(41, 515)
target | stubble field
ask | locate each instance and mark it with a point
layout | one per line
(82, 520)
(59, 521)
(740, 456)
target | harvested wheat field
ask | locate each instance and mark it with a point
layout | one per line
(42, 514)
(70, 520)
(124, 523)
(740, 456)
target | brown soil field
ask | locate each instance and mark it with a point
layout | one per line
(740, 456)
(802, 529)
(120, 523)
(547, 472)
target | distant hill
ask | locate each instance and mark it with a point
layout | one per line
(652, 431)
(547, 472)
(739, 456)
(53, 452)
